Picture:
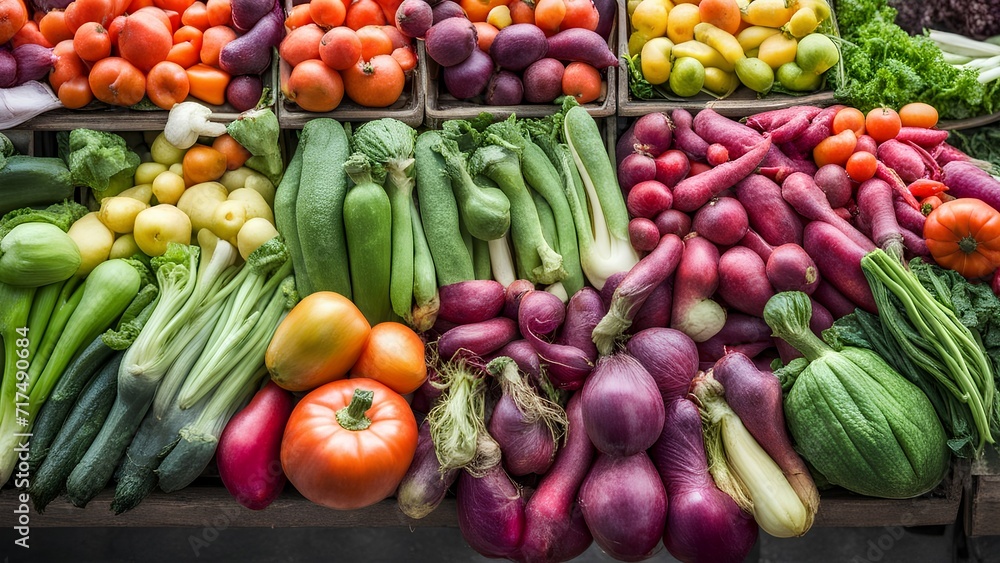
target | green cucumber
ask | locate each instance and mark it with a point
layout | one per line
(31, 181)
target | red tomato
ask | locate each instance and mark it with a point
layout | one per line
(345, 450)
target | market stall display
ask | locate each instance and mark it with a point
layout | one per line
(773, 323)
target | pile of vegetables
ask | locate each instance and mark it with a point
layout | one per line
(719, 45)
(134, 54)
(508, 53)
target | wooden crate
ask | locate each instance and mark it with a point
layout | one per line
(981, 511)
(441, 106)
(741, 103)
(103, 117)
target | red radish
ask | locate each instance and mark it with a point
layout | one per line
(524, 356)
(768, 213)
(819, 128)
(790, 268)
(945, 153)
(743, 281)
(634, 169)
(722, 221)
(697, 277)
(622, 407)
(703, 523)
(685, 139)
(888, 175)
(835, 183)
(756, 398)
(901, 158)
(477, 339)
(490, 512)
(643, 234)
(876, 209)
(801, 191)
(249, 451)
(655, 312)
(584, 310)
(791, 129)
(933, 170)
(446, 9)
(740, 139)
(670, 357)
(512, 300)
(424, 485)
(927, 138)
(673, 221)
(755, 242)
(915, 244)
(626, 144)
(471, 301)
(671, 167)
(580, 44)
(867, 144)
(693, 192)
(625, 505)
(741, 330)
(524, 425)
(698, 168)
(966, 180)
(717, 154)
(554, 526)
(839, 262)
(540, 314)
(832, 299)
(647, 199)
(771, 120)
(652, 134)
(652, 270)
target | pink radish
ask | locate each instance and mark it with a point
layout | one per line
(652, 134)
(512, 299)
(888, 175)
(693, 192)
(901, 158)
(866, 144)
(685, 138)
(554, 526)
(584, 310)
(743, 281)
(643, 234)
(790, 268)
(722, 221)
(908, 217)
(740, 330)
(927, 138)
(791, 129)
(768, 213)
(671, 167)
(477, 339)
(717, 154)
(635, 287)
(819, 128)
(634, 169)
(933, 170)
(915, 244)
(839, 262)
(740, 139)
(771, 120)
(876, 209)
(697, 277)
(649, 198)
(945, 153)
(471, 301)
(249, 449)
(966, 180)
(832, 299)
(835, 183)
(673, 221)
(755, 242)
(801, 191)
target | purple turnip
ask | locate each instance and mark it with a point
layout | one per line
(451, 41)
(414, 18)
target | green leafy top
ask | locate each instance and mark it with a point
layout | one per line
(62, 215)
(101, 161)
(176, 265)
(6, 149)
(133, 319)
(387, 141)
(258, 131)
(362, 170)
(268, 257)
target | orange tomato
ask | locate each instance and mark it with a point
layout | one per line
(374, 41)
(144, 40)
(92, 42)
(220, 12)
(406, 57)
(327, 13)
(582, 14)
(301, 44)
(300, 16)
(882, 124)
(964, 235)
(521, 12)
(582, 81)
(549, 15)
(394, 356)
(317, 342)
(849, 118)
(184, 53)
(340, 48)
(835, 149)
(486, 33)
(314, 86)
(29, 33)
(196, 15)
(724, 14)
(203, 164)
(348, 444)
(918, 114)
(236, 154)
(861, 166)
(167, 84)
(68, 64)
(13, 15)
(478, 10)
(364, 12)
(75, 92)
(208, 84)
(118, 82)
(212, 42)
(53, 26)
(377, 83)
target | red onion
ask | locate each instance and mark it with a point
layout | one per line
(622, 407)
(477, 339)
(490, 512)
(33, 62)
(541, 313)
(583, 312)
(653, 133)
(8, 69)
(471, 301)
(512, 299)
(424, 485)
(704, 524)
(554, 526)
(625, 505)
(670, 357)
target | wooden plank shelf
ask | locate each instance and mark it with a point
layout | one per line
(981, 509)
(210, 504)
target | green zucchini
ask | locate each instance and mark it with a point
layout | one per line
(31, 181)
(285, 197)
(319, 207)
(368, 226)
(64, 395)
(78, 431)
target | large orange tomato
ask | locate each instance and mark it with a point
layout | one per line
(964, 235)
(318, 341)
(348, 443)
